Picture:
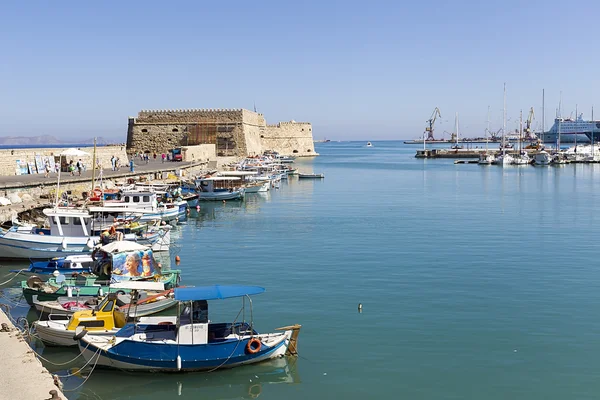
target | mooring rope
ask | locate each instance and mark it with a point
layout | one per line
(97, 353)
(14, 276)
(89, 375)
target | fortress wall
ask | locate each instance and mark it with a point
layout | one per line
(246, 132)
(289, 138)
(8, 158)
(201, 152)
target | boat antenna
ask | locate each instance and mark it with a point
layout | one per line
(543, 113)
(487, 129)
(504, 119)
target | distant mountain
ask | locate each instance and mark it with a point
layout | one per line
(48, 140)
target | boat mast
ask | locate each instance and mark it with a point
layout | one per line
(576, 118)
(456, 129)
(559, 121)
(504, 119)
(543, 114)
(487, 130)
(593, 127)
(520, 132)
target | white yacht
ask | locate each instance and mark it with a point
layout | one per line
(542, 158)
(369, 144)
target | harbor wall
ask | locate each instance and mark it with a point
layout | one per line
(234, 133)
(9, 158)
(202, 152)
(290, 138)
(23, 375)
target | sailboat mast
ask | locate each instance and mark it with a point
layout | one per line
(456, 129)
(504, 119)
(520, 132)
(593, 128)
(576, 118)
(543, 114)
(487, 129)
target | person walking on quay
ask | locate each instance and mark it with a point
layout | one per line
(72, 168)
(147, 156)
(117, 164)
(131, 165)
(46, 169)
(113, 163)
(163, 157)
(79, 166)
(155, 155)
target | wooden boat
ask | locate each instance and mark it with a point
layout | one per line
(116, 262)
(309, 176)
(105, 320)
(190, 342)
(148, 303)
(61, 265)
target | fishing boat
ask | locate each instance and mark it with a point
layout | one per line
(369, 144)
(71, 232)
(147, 303)
(218, 188)
(116, 262)
(190, 341)
(309, 176)
(63, 265)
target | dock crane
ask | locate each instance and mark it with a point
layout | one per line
(431, 122)
(528, 132)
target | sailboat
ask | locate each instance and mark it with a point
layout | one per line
(504, 158)
(543, 157)
(523, 158)
(486, 158)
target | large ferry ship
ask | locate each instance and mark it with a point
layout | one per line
(572, 130)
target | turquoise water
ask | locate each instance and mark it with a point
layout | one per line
(476, 282)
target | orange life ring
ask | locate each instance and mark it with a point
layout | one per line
(253, 346)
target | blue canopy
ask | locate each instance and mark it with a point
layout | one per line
(215, 292)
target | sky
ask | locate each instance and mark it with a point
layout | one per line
(356, 70)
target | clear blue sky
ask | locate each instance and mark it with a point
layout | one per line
(355, 69)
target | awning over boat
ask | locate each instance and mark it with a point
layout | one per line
(215, 292)
(238, 173)
(220, 178)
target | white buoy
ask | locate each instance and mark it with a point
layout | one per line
(90, 243)
(178, 363)
(100, 292)
(69, 291)
(359, 307)
(56, 273)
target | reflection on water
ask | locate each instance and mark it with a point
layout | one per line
(238, 383)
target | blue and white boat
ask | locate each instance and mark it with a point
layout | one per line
(218, 188)
(190, 341)
(64, 265)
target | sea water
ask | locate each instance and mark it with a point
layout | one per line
(475, 282)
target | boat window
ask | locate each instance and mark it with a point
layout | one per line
(136, 199)
(76, 221)
(127, 199)
(64, 220)
(92, 324)
(109, 306)
(146, 199)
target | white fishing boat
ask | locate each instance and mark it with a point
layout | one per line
(369, 144)
(70, 233)
(218, 188)
(486, 158)
(146, 201)
(248, 181)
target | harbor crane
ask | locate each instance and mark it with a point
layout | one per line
(528, 132)
(431, 122)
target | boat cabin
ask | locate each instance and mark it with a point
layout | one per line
(68, 222)
(104, 317)
(217, 183)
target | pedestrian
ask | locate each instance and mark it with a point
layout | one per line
(131, 165)
(72, 168)
(117, 164)
(155, 155)
(79, 166)
(142, 156)
(163, 157)
(113, 163)
(147, 158)
(47, 169)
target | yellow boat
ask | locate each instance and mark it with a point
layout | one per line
(104, 320)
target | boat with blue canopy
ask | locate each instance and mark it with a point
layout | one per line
(191, 341)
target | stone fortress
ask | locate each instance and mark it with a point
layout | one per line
(226, 133)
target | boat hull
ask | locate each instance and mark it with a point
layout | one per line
(55, 333)
(160, 356)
